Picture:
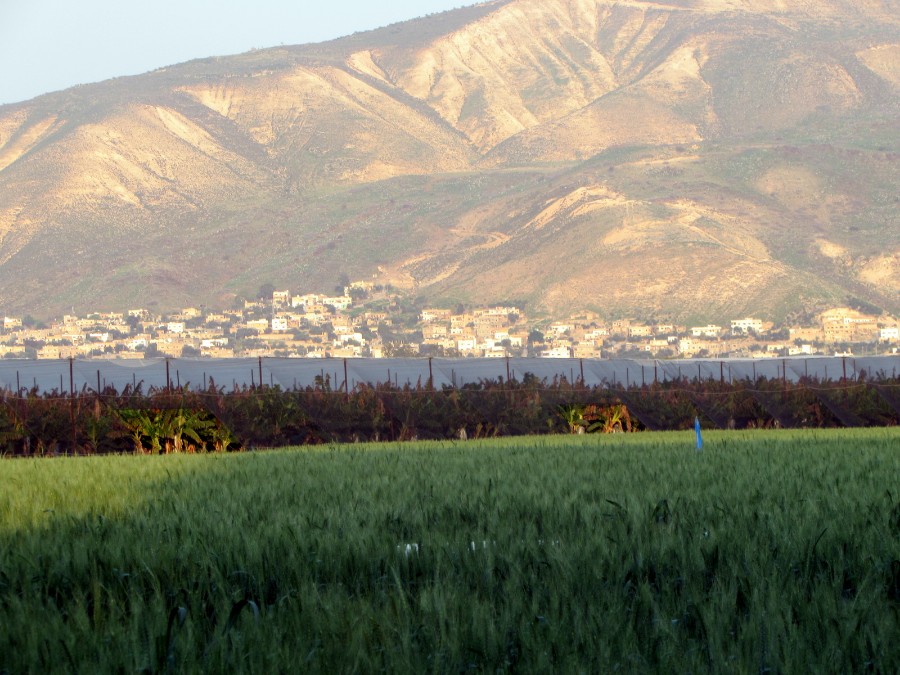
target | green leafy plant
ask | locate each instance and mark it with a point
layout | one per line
(573, 417)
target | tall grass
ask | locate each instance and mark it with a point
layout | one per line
(767, 552)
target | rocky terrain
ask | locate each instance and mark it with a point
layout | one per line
(690, 159)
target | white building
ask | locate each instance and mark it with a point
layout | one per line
(706, 331)
(688, 347)
(556, 353)
(744, 326)
(429, 315)
(307, 300)
(466, 345)
(344, 338)
(891, 334)
(340, 302)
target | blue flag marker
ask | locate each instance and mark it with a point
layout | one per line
(699, 436)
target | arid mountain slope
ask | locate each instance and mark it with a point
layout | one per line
(692, 158)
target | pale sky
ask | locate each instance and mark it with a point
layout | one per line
(48, 45)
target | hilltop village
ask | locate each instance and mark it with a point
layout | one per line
(372, 321)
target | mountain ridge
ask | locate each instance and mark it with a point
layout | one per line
(696, 158)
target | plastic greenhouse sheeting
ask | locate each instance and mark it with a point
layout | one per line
(78, 375)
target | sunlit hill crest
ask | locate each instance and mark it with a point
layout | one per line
(705, 158)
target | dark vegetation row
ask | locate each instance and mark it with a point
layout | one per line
(182, 420)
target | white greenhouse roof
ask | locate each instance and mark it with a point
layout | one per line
(84, 374)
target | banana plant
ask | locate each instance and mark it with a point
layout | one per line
(141, 424)
(612, 419)
(13, 431)
(222, 437)
(184, 423)
(573, 415)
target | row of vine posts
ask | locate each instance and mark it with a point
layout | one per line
(181, 419)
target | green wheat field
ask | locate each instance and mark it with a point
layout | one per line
(767, 552)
